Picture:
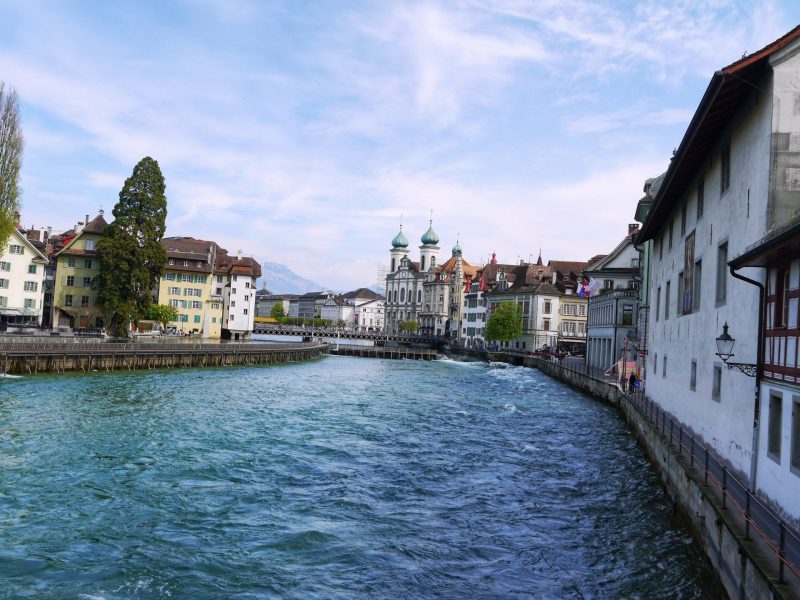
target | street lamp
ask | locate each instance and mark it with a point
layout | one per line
(725, 351)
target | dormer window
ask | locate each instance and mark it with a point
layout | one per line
(186, 263)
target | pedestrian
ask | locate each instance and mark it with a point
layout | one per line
(632, 382)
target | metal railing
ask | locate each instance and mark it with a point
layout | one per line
(761, 520)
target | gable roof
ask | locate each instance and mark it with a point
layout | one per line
(96, 225)
(603, 263)
(723, 97)
(361, 293)
(29, 244)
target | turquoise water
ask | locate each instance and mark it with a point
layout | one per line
(345, 478)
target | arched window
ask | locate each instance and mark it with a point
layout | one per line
(392, 265)
(419, 297)
(403, 295)
(422, 263)
(395, 295)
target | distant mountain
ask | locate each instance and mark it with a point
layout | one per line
(280, 279)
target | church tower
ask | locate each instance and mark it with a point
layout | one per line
(398, 251)
(427, 252)
(457, 293)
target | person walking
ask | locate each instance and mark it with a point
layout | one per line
(632, 382)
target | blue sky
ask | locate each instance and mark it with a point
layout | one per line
(301, 131)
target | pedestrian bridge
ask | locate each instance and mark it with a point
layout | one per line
(333, 334)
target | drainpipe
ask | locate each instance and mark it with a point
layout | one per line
(759, 374)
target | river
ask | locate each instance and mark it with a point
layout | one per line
(345, 477)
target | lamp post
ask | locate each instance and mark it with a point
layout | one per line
(725, 345)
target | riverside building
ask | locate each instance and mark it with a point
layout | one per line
(74, 300)
(22, 279)
(733, 182)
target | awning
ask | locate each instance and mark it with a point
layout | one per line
(778, 247)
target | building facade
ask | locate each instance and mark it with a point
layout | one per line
(74, 300)
(611, 327)
(732, 181)
(22, 279)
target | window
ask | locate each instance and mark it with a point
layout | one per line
(780, 317)
(197, 318)
(392, 269)
(71, 262)
(683, 219)
(722, 273)
(32, 269)
(245, 311)
(247, 298)
(5, 266)
(671, 232)
(546, 325)
(196, 304)
(31, 286)
(3, 301)
(4, 283)
(627, 315)
(233, 303)
(172, 261)
(716, 383)
(87, 282)
(174, 291)
(247, 285)
(664, 368)
(608, 284)
(661, 248)
(701, 198)
(655, 364)
(90, 244)
(419, 297)
(87, 263)
(658, 302)
(15, 249)
(173, 303)
(696, 284)
(547, 307)
(84, 301)
(679, 299)
(582, 310)
(184, 318)
(403, 295)
(775, 426)
(186, 263)
(30, 303)
(233, 290)
(230, 317)
(68, 300)
(219, 291)
(794, 463)
(666, 302)
(693, 376)
(213, 319)
(219, 278)
(725, 169)
(235, 277)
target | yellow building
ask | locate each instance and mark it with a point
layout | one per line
(187, 284)
(76, 266)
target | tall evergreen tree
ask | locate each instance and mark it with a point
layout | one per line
(11, 145)
(132, 258)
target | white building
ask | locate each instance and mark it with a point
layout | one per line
(369, 316)
(22, 272)
(613, 311)
(237, 277)
(336, 310)
(733, 175)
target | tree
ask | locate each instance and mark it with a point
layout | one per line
(505, 323)
(163, 313)
(11, 145)
(277, 312)
(408, 326)
(132, 258)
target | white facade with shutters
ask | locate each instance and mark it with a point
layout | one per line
(22, 272)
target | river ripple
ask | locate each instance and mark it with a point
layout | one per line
(346, 477)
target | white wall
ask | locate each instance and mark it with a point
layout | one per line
(18, 274)
(738, 217)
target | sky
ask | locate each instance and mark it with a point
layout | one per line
(301, 131)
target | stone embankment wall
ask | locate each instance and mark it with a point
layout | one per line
(30, 359)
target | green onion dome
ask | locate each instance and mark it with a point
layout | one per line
(429, 238)
(400, 240)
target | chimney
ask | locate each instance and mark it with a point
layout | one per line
(239, 254)
(632, 228)
(554, 276)
(87, 220)
(78, 227)
(49, 233)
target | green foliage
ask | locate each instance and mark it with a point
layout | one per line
(132, 258)
(277, 312)
(408, 326)
(505, 323)
(163, 313)
(11, 146)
